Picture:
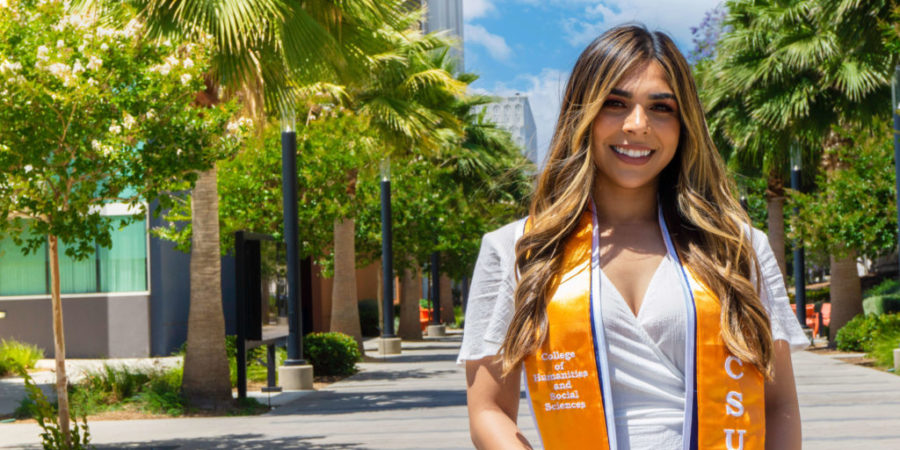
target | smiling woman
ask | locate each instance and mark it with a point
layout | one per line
(637, 263)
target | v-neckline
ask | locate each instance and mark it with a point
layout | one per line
(621, 299)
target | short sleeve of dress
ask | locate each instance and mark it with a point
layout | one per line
(774, 296)
(491, 301)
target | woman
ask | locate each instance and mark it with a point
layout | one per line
(630, 297)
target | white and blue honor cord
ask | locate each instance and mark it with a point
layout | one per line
(600, 335)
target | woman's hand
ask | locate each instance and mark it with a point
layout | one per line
(782, 408)
(493, 404)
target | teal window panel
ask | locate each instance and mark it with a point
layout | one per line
(123, 267)
(22, 274)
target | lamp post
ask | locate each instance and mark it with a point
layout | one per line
(895, 106)
(799, 254)
(435, 328)
(389, 344)
(295, 374)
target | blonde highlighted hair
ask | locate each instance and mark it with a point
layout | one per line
(707, 224)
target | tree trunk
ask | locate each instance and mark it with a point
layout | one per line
(206, 383)
(410, 293)
(775, 208)
(446, 289)
(59, 341)
(344, 302)
(845, 292)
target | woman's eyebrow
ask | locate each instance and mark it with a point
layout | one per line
(658, 96)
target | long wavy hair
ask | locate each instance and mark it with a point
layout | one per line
(707, 224)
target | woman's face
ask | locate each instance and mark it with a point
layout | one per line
(635, 135)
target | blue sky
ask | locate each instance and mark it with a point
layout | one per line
(529, 46)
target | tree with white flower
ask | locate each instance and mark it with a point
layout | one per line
(87, 118)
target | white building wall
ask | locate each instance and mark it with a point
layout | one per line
(513, 114)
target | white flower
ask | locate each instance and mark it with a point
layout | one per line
(128, 121)
(91, 81)
(95, 144)
(42, 53)
(186, 78)
(187, 63)
(167, 43)
(104, 47)
(81, 47)
(151, 113)
(94, 63)
(60, 43)
(28, 168)
(105, 32)
(58, 69)
(3, 4)
(171, 60)
(162, 69)
(115, 128)
(77, 68)
(13, 67)
(178, 152)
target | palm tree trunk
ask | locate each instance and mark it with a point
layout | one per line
(446, 289)
(410, 293)
(775, 208)
(845, 292)
(206, 383)
(59, 340)
(344, 302)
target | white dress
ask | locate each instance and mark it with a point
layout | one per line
(646, 352)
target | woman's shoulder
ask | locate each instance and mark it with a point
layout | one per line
(502, 241)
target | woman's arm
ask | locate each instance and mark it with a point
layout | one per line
(493, 405)
(782, 408)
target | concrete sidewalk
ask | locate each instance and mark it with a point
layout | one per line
(417, 400)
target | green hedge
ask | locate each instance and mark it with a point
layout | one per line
(864, 332)
(882, 304)
(15, 356)
(332, 353)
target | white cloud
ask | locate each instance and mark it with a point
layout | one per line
(674, 17)
(474, 9)
(545, 91)
(495, 45)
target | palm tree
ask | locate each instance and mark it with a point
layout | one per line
(792, 70)
(266, 49)
(404, 100)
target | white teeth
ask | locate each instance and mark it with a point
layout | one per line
(631, 153)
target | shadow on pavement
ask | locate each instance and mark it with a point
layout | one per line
(331, 402)
(243, 441)
(405, 357)
(391, 376)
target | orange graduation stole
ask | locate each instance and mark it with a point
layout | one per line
(568, 381)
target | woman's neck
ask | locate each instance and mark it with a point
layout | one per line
(620, 206)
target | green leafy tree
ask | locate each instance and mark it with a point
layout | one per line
(90, 115)
(854, 211)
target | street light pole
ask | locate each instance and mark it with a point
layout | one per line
(389, 344)
(895, 106)
(295, 374)
(291, 238)
(799, 254)
(435, 288)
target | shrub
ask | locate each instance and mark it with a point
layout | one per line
(368, 317)
(862, 332)
(257, 360)
(889, 286)
(818, 295)
(332, 353)
(156, 391)
(882, 304)
(15, 355)
(38, 407)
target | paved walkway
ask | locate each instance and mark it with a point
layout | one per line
(417, 400)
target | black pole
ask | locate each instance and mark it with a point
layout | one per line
(292, 250)
(897, 164)
(387, 262)
(435, 289)
(240, 315)
(799, 261)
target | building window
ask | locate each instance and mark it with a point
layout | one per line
(121, 268)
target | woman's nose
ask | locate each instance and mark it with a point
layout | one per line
(636, 121)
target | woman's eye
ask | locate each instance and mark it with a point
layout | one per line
(613, 103)
(662, 107)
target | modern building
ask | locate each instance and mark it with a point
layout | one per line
(513, 114)
(446, 15)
